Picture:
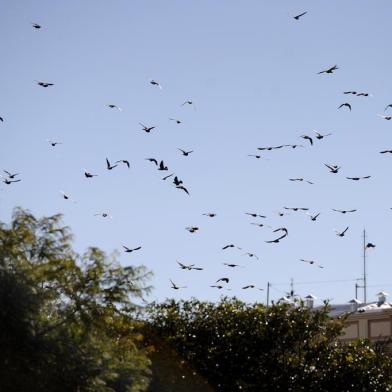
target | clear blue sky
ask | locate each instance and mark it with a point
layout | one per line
(251, 70)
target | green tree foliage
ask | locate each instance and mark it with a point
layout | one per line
(67, 321)
(232, 346)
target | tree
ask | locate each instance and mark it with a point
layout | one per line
(233, 346)
(68, 322)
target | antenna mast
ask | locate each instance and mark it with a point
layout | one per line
(364, 266)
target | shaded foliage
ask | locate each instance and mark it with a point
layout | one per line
(232, 346)
(67, 322)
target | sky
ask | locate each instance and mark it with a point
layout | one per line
(251, 71)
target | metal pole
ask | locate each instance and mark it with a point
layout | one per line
(268, 292)
(356, 290)
(364, 266)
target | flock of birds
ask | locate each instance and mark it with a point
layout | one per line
(278, 234)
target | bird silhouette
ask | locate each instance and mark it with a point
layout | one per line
(44, 84)
(11, 175)
(185, 153)
(313, 217)
(343, 211)
(210, 214)
(89, 175)
(347, 105)
(104, 215)
(296, 208)
(333, 168)
(9, 181)
(156, 83)
(125, 162)
(36, 26)
(111, 106)
(182, 188)
(300, 15)
(230, 246)
(251, 255)
(175, 287)
(358, 178)
(147, 129)
(53, 143)
(231, 265)
(162, 166)
(329, 70)
(192, 229)
(386, 151)
(153, 160)
(312, 262)
(341, 233)
(306, 137)
(300, 179)
(320, 136)
(255, 215)
(176, 181)
(388, 118)
(177, 121)
(130, 250)
(226, 280)
(189, 267)
(109, 166)
(168, 176)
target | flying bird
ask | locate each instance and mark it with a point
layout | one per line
(313, 217)
(285, 231)
(312, 262)
(254, 156)
(306, 137)
(347, 105)
(293, 145)
(369, 245)
(329, 70)
(259, 224)
(130, 250)
(53, 143)
(255, 215)
(189, 267)
(185, 153)
(385, 117)
(188, 102)
(109, 166)
(226, 280)
(300, 179)
(300, 15)
(11, 175)
(168, 176)
(147, 129)
(155, 83)
(231, 265)
(251, 255)
(192, 229)
(125, 162)
(162, 166)
(217, 286)
(333, 168)
(1, 119)
(177, 121)
(152, 160)
(175, 287)
(296, 208)
(320, 136)
(176, 181)
(343, 211)
(341, 233)
(182, 188)
(249, 286)
(66, 196)
(44, 84)
(210, 214)
(8, 181)
(350, 92)
(230, 246)
(111, 106)
(89, 175)
(104, 215)
(275, 241)
(358, 178)
(36, 26)
(386, 151)
(270, 148)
